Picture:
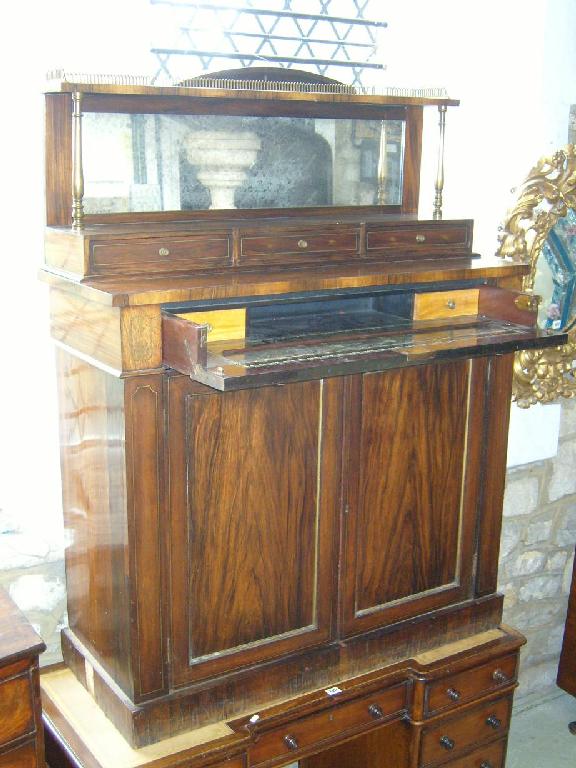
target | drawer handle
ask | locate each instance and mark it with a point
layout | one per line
(485, 764)
(291, 742)
(451, 304)
(376, 711)
(453, 694)
(302, 243)
(447, 742)
(493, 722)
(499, 676)
(164, 252)
(420, 238)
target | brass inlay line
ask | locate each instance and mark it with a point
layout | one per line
(457, 570)
(318, 501)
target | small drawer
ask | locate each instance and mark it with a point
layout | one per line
(298, 247)
(183, 343)
(421, 239)
(160, 254)
(451, 736)
(16, 710)
(454, 690)
(22, 757)
(303, 735)
(488, 756)
(441, 304)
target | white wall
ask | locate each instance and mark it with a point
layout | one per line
(83, 36)
(513, 66)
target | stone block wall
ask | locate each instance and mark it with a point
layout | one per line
(537, 554)
(32, 572)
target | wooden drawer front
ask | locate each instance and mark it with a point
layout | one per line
(476, 725)
(160, 255)
(439, 304)
(303, 735)
(420, 239)
(457, 689)
(299, 247)
(22, 757)
(489, 756)
(16, 711)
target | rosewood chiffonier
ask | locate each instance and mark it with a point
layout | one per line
(284, 407)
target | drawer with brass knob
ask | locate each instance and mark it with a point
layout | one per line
(487, 756)
(475, 725)
(440, 304)
(458, 689)
(420, 238)
(308, 734)
(155, 254)
(285, 247)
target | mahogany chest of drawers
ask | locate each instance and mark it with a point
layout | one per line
(21, 734)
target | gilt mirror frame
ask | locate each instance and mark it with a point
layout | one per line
(544, 197)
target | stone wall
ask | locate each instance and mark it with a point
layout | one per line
(537, 553)
(32, 572)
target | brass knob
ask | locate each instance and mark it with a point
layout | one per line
(493, 722)
(451, 304)
(499, 676)
(528, 302)
(164, 252)
(453, 694)
(291, 742)
(302, 243)
(447, 742)
(376, 711)
(485, 764)
(420, 238)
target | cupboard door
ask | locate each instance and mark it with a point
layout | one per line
(252, 535)
(410, 509)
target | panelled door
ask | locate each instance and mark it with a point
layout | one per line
(252, 491)
(410, 501)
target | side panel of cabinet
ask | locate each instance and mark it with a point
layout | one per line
(411, 493)
(112, 456)
(253, 494)
(94, 501)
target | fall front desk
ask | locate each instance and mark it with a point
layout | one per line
(284, 408)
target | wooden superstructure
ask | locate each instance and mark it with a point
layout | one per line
(283, 447)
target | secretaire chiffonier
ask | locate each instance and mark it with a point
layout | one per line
(284, 407)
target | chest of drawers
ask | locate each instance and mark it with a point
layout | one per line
(21, 735)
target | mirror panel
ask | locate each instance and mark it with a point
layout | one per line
(147, 162)
(555, 277)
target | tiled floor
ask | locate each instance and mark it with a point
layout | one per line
(539, 736)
